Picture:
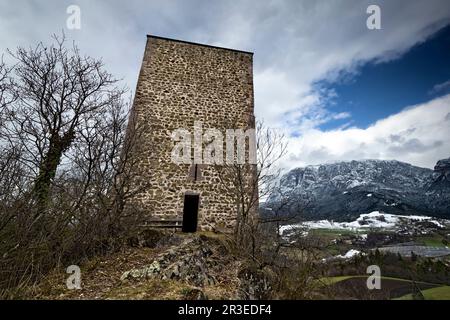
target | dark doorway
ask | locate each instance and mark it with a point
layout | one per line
(190, 212)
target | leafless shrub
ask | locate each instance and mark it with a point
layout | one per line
(248, 183)
(258, 235)
(65, 165)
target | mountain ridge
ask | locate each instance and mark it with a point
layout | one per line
(344, 190)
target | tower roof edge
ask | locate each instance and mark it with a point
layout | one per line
(198, 44)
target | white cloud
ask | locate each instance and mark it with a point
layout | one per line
(418, 134)
(296, 43)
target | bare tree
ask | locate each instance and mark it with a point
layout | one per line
(58, 93)
(65, 165)
(102, 169)
(6, 96)
(248, 183)
(259, 239)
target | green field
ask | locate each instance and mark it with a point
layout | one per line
(432, 241)
(333, 280)
(429, 290)
(439, 293)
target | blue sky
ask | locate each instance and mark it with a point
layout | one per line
(382, 89)
(338, 90)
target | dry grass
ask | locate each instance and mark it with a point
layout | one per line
(98, 276)
(100, 279)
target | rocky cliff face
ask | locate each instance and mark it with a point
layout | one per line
(342, 191)
(442, 172)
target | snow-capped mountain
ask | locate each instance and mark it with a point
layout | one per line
(342, 191)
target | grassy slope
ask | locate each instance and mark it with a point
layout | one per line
(333, 280)
(439, 293)
(100, 279)
(434, 240)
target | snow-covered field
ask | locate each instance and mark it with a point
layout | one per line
(373, 220)
(350, 254)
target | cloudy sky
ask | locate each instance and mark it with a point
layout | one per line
(338, 89)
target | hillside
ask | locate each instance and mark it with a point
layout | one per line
(344, 190)
(159, 265)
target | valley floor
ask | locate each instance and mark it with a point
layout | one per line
(177, 266)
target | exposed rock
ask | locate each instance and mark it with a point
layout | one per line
(146, 272)
(442, 168)
(192, 261)
(441, 181)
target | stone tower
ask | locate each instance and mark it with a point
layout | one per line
(182, 83)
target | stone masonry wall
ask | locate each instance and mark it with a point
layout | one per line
(180, 83)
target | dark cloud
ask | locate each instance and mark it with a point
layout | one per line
(415, 146)
(441, 88)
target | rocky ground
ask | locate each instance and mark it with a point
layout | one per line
(161, 265)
